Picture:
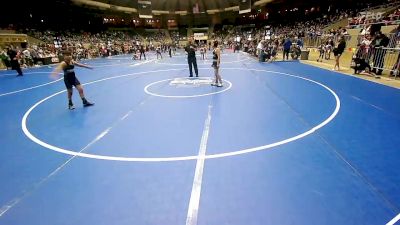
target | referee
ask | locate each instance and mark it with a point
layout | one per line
(191, 51)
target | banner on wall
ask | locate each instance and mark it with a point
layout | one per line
(144, 9)
(244, 6)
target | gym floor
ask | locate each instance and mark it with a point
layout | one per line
(279, 143)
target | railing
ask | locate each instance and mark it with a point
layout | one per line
(369, 14)
(315, 42)
(7, 31)
(392, 4)
(394, 40)
(13, 38)
(383, 22)
(380, 59)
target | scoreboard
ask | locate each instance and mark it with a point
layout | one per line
(144, 9)
(244, 6)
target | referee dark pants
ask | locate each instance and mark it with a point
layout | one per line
(192, 60)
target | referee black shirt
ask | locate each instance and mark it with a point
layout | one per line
(191, 50)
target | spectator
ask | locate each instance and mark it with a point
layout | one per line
(338, 51)
(378, 43)
(295, 52)
(5, 59)
(14, 56)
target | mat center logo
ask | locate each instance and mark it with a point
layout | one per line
(190, 82)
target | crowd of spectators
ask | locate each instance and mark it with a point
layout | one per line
(157, 36)
(82, 45)
(380, 16)
(177, 36)
(265, 40)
